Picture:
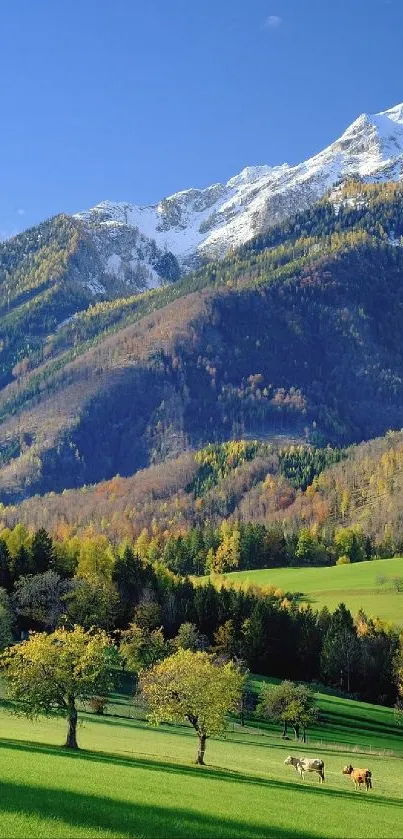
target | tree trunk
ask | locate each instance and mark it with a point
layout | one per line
(201, 749)
(303, 734)
(242, 715)
(71, 740)
(285, 729)
(296, 731)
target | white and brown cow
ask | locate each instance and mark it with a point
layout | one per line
(304, 764)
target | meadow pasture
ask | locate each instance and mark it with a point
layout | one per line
(357, 585)
(130, 780)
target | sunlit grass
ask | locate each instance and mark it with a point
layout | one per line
(356, 585)
(130, 780)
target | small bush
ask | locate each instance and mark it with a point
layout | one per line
(98, 704)
(343, 560)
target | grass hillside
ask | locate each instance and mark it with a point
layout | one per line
(359, 586)
(133, 781)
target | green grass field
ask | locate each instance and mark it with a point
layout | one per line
(355, 585)
(133, 781)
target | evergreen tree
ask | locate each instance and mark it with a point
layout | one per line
(5, 562)
(129, 577)
(42, 553)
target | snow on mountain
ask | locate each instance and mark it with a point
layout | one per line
(146, 246)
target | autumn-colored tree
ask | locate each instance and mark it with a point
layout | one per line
(191, 686)
(96, 560)
(349, 541)
(16, 538)
(228, 552)
(49, 673)
(225, 640)
(309, 550)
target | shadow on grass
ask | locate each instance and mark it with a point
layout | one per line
(201, 773)
(122, 819)
(360, 723)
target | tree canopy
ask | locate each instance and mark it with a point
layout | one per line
(52, 672)
(191, 686)
(289, 704)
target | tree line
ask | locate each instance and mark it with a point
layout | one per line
(47, 584)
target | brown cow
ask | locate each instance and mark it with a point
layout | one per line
(359, 776)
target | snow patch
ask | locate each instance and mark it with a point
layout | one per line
(95, 287)
(113, 264)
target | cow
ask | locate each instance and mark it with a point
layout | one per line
(304, 764)
(359, 776)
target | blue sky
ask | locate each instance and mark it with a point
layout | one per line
(136, 99)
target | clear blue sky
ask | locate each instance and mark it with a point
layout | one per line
(136, 99)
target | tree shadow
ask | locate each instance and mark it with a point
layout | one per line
(355, 721)
(123, 819)
(147, 762)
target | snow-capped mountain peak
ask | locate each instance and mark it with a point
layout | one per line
(394, 114)
(143, 246)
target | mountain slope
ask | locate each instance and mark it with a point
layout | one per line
(298, 333)
(47, 275)
(365, 489)
(195, 489)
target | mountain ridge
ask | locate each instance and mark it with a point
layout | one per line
(195, 225)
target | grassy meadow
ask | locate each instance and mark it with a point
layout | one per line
(130, 780)
(355, 585)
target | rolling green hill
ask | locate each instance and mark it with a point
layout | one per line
(362, 585)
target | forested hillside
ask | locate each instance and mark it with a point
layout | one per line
(39, 284)
(298, 333)
(290, 488)
(364, 489)
(238, 480)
